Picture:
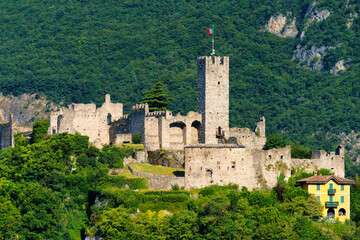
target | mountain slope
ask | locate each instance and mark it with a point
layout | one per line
(77, 51)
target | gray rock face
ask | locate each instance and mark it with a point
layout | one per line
(308, 54)
(312, 57)
(26, 108)
(312, 14)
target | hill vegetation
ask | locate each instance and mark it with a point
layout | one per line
(77, 51)
(60, 187)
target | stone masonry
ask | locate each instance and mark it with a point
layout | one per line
(214, 153)
(213, 98)
(6, 133)
(239, 157)
(87, 120)
(159, 129)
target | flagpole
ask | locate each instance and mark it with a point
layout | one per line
(213, 40)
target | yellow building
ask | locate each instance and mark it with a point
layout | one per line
(333, 193)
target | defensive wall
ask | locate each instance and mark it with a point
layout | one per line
(159, 129)
(253, 168)
(214, 153)
(156, 181)
(6, 133)
(87, 120)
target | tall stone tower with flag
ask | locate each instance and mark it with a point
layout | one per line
(213, 98)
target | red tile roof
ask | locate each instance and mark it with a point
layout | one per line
(324, 179)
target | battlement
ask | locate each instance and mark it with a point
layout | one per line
(141, 107)
(213, 60)
(124, 117)
(156, 114)
(322, 154)
(78, 107)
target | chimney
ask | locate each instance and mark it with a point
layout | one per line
(315, 173)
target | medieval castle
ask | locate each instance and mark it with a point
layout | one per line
(214, 153)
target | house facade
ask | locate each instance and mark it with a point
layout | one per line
(333, 193)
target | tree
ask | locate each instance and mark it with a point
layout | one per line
(274, 141)
(10, 219)
(157, 97)
(40, 130)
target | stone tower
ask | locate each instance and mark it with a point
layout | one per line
(213, 98)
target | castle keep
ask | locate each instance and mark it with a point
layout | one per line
(214, 153)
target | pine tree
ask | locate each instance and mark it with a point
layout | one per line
(157, 97)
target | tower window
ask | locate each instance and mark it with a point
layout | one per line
(218, 83)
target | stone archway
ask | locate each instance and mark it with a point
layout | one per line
(195, 132)
(177, 135)
(59, 123)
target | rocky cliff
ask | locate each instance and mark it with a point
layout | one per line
(26, 108)
(309, 53)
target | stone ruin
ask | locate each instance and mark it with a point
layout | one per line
(214, 153)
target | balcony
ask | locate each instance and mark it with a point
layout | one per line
(331, 191)
(331, 204)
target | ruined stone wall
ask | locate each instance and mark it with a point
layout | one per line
(213, 97)
(6, 134)
(127, 125)
(247, 138)
(158, 182)
(87, 120)
(272, 162)
(178, 131)
(159, 129)
(151, 133)
(219, 164)
(138, 114)
(260, 127)
(223, 164)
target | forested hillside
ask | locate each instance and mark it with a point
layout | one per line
(60, 187)
(77, 51)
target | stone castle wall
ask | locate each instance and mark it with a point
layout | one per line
(159, 129)
(156, 181)
(253, 168)
(87, 120)
(6, 134)
(246, 138)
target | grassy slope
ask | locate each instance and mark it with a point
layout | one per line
(156, 169)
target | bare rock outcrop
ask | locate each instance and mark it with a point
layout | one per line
(280, 26)
(26, 108)
(311, 55)
(313, 14)
(339, 66)
(351, 19)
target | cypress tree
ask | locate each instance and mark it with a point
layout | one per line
(157, 98)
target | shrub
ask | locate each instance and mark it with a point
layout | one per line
(136, 138)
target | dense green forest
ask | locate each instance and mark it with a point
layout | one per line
(77, 51)
(59, 187)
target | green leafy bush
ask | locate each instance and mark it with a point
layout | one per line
(136, 138)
